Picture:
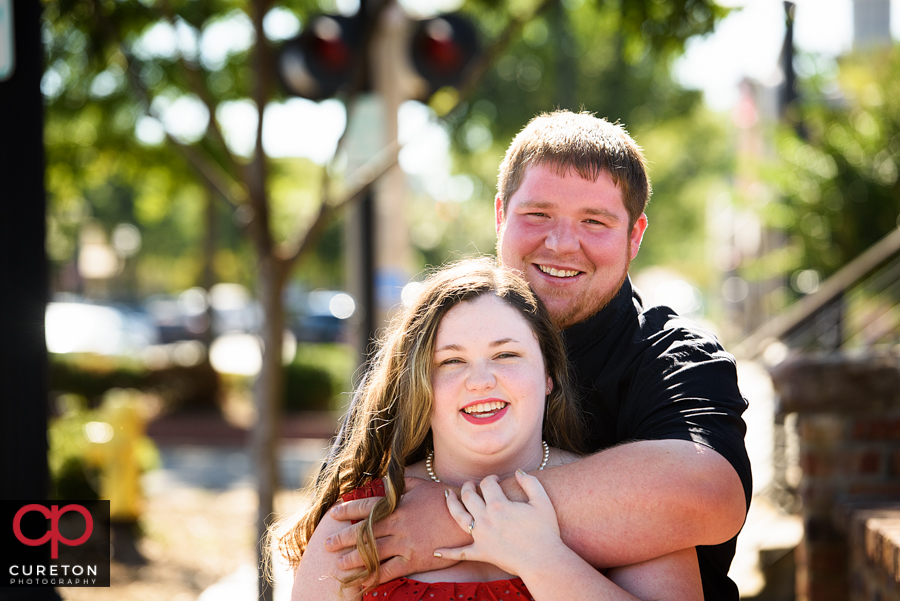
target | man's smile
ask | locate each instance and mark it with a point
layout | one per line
(557, 273)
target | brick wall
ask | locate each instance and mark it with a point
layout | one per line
(848, 421)
(874, 542)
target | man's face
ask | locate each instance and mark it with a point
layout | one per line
(570, 237)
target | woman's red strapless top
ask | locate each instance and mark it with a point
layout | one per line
(404, 589)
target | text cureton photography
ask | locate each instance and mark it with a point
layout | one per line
(54, 543)
(54, 575)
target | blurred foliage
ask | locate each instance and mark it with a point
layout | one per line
(75, 473)
(839, 181)
(89, 376)
(609, 57)
(686, 171)
(179, 387)
(307, 388)
(596, 56)
(108, 161)
(317, 379)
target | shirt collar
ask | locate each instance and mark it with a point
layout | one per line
(597, 326)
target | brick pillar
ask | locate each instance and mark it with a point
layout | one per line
(848, 419)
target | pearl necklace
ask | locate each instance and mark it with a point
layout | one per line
(429, 461)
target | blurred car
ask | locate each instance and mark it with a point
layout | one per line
(186, 316)
(321, 315)
(234, 309)
(75, 325)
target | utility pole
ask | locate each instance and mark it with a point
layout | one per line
(23, 262)
(392, 83)
(24, 473)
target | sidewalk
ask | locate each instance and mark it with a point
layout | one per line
(198, 524)
(206, 451)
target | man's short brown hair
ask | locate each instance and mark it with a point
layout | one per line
(585, 143)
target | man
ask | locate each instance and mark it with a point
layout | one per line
(672, 471)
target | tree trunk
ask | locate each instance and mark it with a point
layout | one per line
(208, 276)
(269, 393)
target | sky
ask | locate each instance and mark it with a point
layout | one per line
(748, 42)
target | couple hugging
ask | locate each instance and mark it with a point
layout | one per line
(531, 430)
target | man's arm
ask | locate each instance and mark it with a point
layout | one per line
(317, 575)
(524, 539)
(642, 500)
(627, 504)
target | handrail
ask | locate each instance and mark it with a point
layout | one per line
(788, 320)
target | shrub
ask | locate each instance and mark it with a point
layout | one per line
(307, 388)
(193, 387)
(90, 376)
(318, 375)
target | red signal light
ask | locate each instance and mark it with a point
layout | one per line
(443, 48)
(439, 49)
(320, 61)
(326, 44)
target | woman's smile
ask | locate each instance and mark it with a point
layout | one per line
(485, 412)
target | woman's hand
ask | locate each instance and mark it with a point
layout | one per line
(513, 536)
(523, 539)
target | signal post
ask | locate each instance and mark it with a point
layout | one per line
(393, 83)
(404, 60)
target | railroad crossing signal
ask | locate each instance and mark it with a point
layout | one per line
(322, 60)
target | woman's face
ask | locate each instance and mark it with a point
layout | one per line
(490, 385)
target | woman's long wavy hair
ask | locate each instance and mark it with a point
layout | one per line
(389, 423)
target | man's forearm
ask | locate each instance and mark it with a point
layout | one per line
(642, 500)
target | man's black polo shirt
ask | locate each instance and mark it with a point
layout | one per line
(649, 374)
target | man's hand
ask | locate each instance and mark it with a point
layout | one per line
(407, 538)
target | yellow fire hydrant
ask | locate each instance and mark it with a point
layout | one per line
(117, 443)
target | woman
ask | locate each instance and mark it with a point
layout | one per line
(469, 384)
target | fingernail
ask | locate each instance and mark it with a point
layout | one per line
(520, 471)
(437, 554)
(446, 494)
(328, 542)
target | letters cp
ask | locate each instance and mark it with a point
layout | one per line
(53, 514)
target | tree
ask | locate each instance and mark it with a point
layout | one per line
(840, 184)
(106, 91)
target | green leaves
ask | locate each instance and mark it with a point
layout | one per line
(842, 186)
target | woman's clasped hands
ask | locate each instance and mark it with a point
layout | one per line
(517, 537)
